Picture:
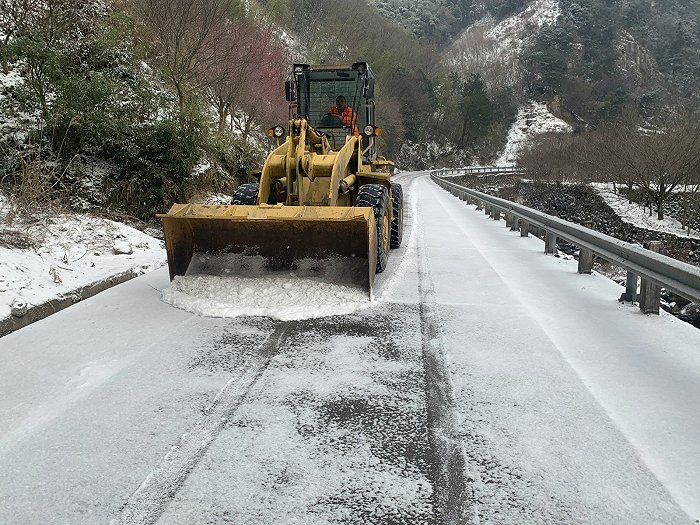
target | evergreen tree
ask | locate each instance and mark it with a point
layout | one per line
(476, 111)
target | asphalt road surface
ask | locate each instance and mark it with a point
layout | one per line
(459, 395)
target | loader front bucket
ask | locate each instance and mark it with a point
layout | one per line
(284, 237)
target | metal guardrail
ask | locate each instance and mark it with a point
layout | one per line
(656, 270)
(485, 170)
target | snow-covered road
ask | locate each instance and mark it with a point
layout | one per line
(486, 383)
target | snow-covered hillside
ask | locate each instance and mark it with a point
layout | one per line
(492, 48)
(533, 119)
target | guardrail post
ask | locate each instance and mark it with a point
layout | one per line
(585, 256)
(650, 293)
(487, 209)
(630, 294)
(479, 205)
(550, 243)
(524, 228)
(514, 223)
(585, 261)
(495, 214)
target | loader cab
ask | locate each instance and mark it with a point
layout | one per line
(313, 91)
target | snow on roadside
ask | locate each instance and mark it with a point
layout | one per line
(532, 119)
(636, 214)
(69, 252)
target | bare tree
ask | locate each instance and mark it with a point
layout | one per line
(477, 52)
(262, 95)
(186, 38)
(224, 78)
(556, 157)
(247, 78)
(655, 161)
(691, 201)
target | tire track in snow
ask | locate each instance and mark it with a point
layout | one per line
(149, 501)
(454, 498)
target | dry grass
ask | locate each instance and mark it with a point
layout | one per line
(32, 189)
(35, 176)
(212, 180)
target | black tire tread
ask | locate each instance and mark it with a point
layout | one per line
(246, 194)
(396, 217)
(376, 196)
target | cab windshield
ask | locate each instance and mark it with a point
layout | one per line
(318, 91)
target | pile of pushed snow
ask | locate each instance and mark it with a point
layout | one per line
(236, 285)
(59, 255)
(532, 120)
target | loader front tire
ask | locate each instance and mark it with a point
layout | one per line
(245, 194)
(376, 196)
(397, 215)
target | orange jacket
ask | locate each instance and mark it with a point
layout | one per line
(346, 116)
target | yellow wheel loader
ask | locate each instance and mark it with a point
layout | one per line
(324, 197)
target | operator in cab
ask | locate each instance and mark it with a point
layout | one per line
(345, 112)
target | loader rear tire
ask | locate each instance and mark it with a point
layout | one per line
(245, 194)
(376, 196)
(397, 215)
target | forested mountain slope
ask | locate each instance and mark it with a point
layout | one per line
(131, 105)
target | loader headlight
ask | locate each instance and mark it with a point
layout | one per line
(371, 131)
(277, 132)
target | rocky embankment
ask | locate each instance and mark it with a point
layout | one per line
(582, 204)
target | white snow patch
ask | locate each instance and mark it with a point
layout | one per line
(493, 49)
(11, 79)
(236, 285)
(532, 119)
(634, 213)
(212, 198)
(201, 168)
(13, 123)
(509, 31)
(70, 251)
(122, 248)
